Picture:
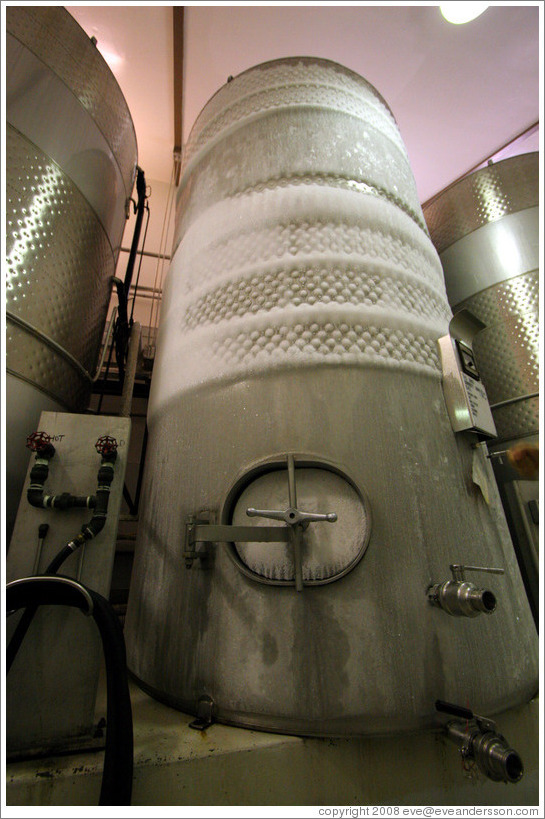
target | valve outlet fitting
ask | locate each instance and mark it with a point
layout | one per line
(491, 751)
(460, 598)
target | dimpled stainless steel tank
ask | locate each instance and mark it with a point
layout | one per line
(298, 371)
(70, 165)
(486, 230)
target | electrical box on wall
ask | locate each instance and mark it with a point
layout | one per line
(465, 395)
(51, 688)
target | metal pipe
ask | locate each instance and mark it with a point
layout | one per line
(105, 346)
(514, 400)
(147, 253)
(42, 532)
(137, 288)
(130, 372)
(149, 295)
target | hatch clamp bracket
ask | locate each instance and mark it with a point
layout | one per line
(199, 529)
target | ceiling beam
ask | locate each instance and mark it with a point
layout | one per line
(178, 35)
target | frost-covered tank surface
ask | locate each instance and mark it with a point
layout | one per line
(298, 372)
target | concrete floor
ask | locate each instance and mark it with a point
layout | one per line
(224, 766)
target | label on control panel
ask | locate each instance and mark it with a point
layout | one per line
(479, 407)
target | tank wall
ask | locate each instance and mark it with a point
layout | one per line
(365, 654)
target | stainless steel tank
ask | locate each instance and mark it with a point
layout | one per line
(298, 371)
(70, 165)
(486, 230)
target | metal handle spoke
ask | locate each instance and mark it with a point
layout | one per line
(272, 514)
(315, 517)
(292, 492)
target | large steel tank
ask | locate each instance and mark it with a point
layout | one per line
(298, 370)
(70, 165)
(486, 230)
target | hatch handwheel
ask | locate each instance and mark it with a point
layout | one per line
(296, 523)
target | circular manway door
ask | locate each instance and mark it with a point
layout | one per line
(328, 549)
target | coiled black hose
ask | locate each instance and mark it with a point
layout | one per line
(88, 531)
(28, 615)
(32, 592)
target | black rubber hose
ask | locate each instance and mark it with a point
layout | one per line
(88, 531)
(19, 635)
(141, 191)
(118, 760)
(32, 592)
(28, 615)
(58, 560)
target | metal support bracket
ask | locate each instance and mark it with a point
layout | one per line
(205, 714)
(216, 533)
(202, 529)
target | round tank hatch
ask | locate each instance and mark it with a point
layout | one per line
(330, 545)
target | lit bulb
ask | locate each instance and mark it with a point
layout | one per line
(114, 60)
(462, 12)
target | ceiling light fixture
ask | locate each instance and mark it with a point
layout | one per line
(461, 12)
(113, 59)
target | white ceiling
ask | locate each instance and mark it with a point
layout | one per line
(459, 93)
